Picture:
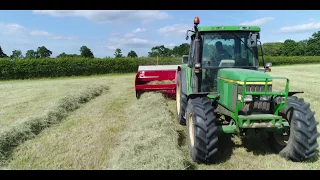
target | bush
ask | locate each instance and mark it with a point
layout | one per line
(289, 60)
(76, 66)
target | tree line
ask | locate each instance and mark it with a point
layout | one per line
(307, 47)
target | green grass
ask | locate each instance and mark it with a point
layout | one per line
(18, 132)
(24, 99)
(151, 139)
(82, 140)
(116, 131)
(100, 134)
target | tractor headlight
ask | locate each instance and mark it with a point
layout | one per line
(264, 98)
(247, 98)
(279, 100)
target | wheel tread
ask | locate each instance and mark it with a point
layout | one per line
(206, 148)
(302, 143)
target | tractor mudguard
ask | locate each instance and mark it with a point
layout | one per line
(199, 94)
(182, 79)
(291, 93)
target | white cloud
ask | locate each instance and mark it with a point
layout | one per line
(309, 27)
(64, 37)
(110, 16)
(127, 42)
(138, 30)
(257, 22)
(311, 19)
(175, 30)
(13, 29)
(170, 45)
(18, 30)
(112, 47)
(115, 34)
(40, 33)
(129, 35)
(132, 34)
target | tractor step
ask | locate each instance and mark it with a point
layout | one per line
(260, 121)
(259, 117)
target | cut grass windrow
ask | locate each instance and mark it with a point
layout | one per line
(151, 140)
(19, 133)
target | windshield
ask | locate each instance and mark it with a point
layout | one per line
(225, 49)
(221, 49)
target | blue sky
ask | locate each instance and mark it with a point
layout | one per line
(104, 30)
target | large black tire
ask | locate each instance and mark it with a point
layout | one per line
(201, 130)
(302, 139)
(181, 102)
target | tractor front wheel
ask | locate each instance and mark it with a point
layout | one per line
(301, 142)
(181, 102)
(201, 130)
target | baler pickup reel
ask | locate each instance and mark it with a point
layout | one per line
(156, 78)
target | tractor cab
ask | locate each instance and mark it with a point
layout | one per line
(216, 47)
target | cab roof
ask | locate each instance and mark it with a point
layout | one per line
(229, 28)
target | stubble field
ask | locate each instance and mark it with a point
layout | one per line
(96, 122)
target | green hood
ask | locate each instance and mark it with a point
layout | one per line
(241, 74)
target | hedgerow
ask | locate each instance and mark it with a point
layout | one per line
(78, 66)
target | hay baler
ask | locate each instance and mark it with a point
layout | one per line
(221, 90)
(160, 78)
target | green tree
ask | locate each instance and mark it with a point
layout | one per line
(181, 50)
(313, 45)
(67, 55)
(302, 47)
(289, 48)
(86, 52)
(16, 54)
(31, 54)
(132, 54)
(2, 54)
(43, 52)
(118, 53)
(160, 51)
(272, 48)
(62, 55)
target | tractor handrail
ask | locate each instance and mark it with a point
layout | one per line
(283, 93)
(266, 80)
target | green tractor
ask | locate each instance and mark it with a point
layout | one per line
(220, 89)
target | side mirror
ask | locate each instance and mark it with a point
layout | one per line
(253, 37)
(185, 59)
(267, 67)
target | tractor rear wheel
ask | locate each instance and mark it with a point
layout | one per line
(301, 143)
(201, 130)
(181, 102)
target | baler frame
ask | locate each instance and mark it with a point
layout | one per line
(147, 74)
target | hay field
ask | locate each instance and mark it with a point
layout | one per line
(24, 99)
(117, 131)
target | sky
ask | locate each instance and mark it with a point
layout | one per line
(105, 30)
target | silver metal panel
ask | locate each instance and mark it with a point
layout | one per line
(158, 67)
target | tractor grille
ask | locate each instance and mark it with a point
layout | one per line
(257, 106)
(254, 88)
